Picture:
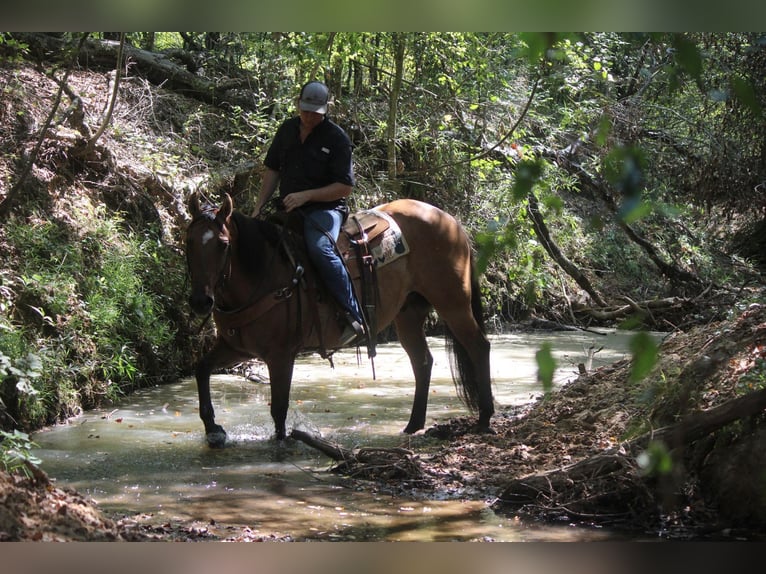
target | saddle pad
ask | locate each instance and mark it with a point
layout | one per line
(391, 245)
(386, 241)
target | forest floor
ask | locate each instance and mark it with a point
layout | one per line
(587, 418)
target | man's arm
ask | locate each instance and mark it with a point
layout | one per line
(329, 192)
(268, 186)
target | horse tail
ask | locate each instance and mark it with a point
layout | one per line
(464, 373)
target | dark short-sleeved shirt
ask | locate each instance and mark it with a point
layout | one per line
(323, 158)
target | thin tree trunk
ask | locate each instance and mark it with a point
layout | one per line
(108, 117)
(587, 181)
(400, 44)
(541, 230)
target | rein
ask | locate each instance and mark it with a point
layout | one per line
(232, 319)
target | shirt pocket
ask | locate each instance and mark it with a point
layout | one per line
(318, 164)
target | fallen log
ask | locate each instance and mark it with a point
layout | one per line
(371, 463)
(616, 312)
(157, 67)
(700, 424)
(334, 451)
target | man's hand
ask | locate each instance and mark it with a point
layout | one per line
(296, 199)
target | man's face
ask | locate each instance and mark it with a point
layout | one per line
(310, 120)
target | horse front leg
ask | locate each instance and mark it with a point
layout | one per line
(221, 355)
(409, 328)
(281, 378)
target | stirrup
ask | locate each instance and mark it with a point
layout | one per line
(353, 333)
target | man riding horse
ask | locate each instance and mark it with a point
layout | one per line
(310, 160)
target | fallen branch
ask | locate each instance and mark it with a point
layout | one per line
(607, 313)
(700, 424)
(372, 463)
(334, 451)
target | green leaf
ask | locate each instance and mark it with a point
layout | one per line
(655, 460)
(637, 211)
(688, 56)
(527, 174)
(603, 130)
(645, 352)
(746, 94)
(546, 366)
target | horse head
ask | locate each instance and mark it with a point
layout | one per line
(208, 253)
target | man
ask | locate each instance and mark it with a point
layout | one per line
(310, 160)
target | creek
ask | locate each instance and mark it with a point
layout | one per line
(147, 454)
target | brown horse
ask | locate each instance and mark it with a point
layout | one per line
(265, 307)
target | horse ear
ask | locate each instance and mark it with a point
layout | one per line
(193, 205)
(226, 208)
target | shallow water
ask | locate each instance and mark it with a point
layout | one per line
(148, 453)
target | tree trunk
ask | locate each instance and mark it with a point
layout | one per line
(156, 67)
(400, 44)
(541, 230)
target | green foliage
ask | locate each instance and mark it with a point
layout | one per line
(527, 174)
(546, 366)
(16, 452)
(85, 333)
(23, 369)
(645, 353)
(655, 460)
(754, 379)
(11, 48)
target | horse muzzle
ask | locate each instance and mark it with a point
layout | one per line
(201, 303)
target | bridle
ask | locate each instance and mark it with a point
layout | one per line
(258, 302)
(224, 271)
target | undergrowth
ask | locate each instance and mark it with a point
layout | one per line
(88, 316)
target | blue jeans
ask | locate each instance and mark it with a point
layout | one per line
(317, 225)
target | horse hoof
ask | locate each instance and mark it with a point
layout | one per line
(484, 429)
(216, 439)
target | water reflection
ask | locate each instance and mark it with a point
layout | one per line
(148, 454)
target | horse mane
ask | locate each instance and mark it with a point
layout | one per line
(255, 234)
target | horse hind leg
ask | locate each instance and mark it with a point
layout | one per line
(469, 351)
(469, 361)
(409, 328)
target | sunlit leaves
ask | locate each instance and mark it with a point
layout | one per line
(16, 452)
(498, 236)
(542, 45)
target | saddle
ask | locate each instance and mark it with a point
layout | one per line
(374, 233)
(369, 239)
